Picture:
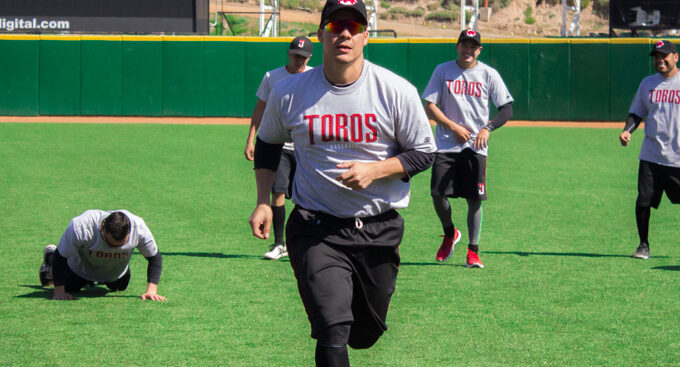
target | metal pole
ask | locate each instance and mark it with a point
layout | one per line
(262, 23)
(462, 14)
(563, 32)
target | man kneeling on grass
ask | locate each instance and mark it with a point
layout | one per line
(97, 247)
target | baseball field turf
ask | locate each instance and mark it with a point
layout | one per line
(559, 287)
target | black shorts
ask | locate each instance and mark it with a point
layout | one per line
(283, 181)
(74, 283)
(459, 175)
(345, 274)
(653, 180)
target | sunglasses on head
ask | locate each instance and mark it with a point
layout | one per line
(338, 26)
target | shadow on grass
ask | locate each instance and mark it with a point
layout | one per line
(669, 268)
(408, 263)
(211, 254)
(89, 292)
(576, 254)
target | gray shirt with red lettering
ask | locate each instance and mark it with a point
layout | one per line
(268, 82)
(91, 258)
(463, 96)
(657, 101)
(374, 118)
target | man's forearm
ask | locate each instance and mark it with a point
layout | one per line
(264, 179)
(632, 122)
(435, 114)
(503, 116)
(154, 268)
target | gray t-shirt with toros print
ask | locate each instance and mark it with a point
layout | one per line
(270, 79)
(91, 258)
(463, 96)
(657, 101)
(374, 118)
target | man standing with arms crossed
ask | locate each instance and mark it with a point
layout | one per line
(457, 99)
(299, 52)
(657, 101)
(360, 134)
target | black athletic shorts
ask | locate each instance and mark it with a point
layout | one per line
(74, 283)
(283, 181)
(653, 180)
(459, 175)
(346, 270)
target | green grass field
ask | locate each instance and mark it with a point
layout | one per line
(559, 287)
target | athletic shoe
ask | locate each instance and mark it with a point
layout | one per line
(45, 271)
(276, 252)
(642, 251)
(446, 248)
(473, 260)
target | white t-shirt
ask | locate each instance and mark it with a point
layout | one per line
(657, 101)
(375, 118)
(463, 96)
(268, 82)
(91, 258)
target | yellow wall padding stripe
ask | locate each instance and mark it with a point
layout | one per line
(196, 38)
(19, 37)
(101, 38)
(505, 40)
(629, 40)
(589, 40)
(58, 37)
(429, 40)
(142, 38)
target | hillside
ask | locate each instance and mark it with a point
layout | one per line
(507, 22)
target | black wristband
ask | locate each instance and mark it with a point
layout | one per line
(154, 269)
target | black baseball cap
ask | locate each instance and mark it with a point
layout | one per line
(334, 5)
(301, 45)
(665, 47)
(470, 34)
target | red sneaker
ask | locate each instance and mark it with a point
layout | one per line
(446, 248)
(473, 260)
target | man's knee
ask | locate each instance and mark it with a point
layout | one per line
(334, 336)
(364, 338)
(121, 284)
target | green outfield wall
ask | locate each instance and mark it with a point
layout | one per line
(550, 79)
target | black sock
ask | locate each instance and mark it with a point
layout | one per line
(331, 356)
(443, 210)
(331, 346)
(279, 221)
(642, 214)
(450, 231)
(473, 248)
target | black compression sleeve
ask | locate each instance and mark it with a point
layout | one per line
(267, 155)
(59, 269)
(415, 161)
(632, 122)
(503, 116)
(153, 271)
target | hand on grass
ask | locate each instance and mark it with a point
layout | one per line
(151, 293)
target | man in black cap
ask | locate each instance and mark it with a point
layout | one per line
(457, 99)
(360, 134)
(657, 101)
(299, 52)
